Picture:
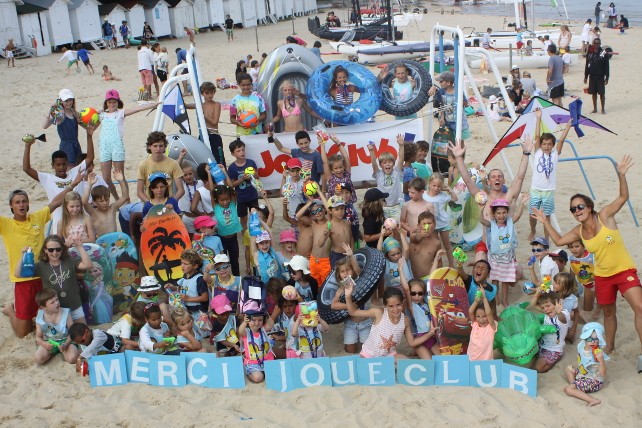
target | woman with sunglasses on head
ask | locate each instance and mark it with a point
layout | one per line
(57, 270)
(615, 270)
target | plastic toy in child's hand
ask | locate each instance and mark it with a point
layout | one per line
(169, 340)
(547, 284)
(289, 293)
(256, 183)
(459, 254)
(426, 228)
(531, 260)
(390, 223)
(29, 138)
(481, 197)
(174, 300)
(55, 344)
(308, 314)
(249, 171)
(479, 294)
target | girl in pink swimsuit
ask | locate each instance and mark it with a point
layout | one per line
(289, 108)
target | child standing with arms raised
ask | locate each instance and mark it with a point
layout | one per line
(320, 254)
(74, 223)
(484, 328)
(389, 178)
(440, 194)
(103, 217)
(336, 168)
(424, 245)
(338, 230)
(311, 162)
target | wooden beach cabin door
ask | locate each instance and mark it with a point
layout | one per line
(249, 13)
(59, 24)
(216, 12)
(31, 25)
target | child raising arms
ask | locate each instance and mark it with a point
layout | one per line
(340, 89)
(336, 168)
(440, 194)
(389, 178)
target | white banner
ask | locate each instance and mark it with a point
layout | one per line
(356, 137)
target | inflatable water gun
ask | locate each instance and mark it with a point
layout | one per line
(459, 255)
(426, 228)
(55, 344)
(547, 284)
(217, 175)
(308, 311)
(479, 294)
(531, 260)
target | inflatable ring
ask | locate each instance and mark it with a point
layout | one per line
(288, 62)
(419, 97)
(372, 264)
(344, 114)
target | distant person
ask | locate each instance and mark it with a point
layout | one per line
(554, 76)
(8, 53)
(564, 40)
(486, 42)
(145, 68)
(125, 33)
(624, 22)
(612, 13)
(229, 28)
(83, 55)
(297, 40)
(108, 33)
(148, 33)
(181, 58)
(528, 84)
(584, 37)
(190, 34)
(596, 73)
(316, 49)
(332, 20)
(598, 12)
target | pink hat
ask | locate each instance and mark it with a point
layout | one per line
(221, 304)
(499, 203)
(204, 221)
(112, 94)
(287, 235)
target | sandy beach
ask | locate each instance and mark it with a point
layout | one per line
(54, 395)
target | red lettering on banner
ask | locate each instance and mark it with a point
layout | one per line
(272, 164)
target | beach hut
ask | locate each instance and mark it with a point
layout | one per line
(9, 24)
(299, 7)
(33, 26)
(310, 6)
(85, 20)
(261, 11)
(134, 15)
(215, 12)
(181, 14)
(248, 11)
(288, 7)
(201, 18)
(233, 8)
(57, 20)
(115, 14)
(157, 16)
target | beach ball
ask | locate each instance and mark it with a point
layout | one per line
(481, 198)
(311, 188)
(390, 223)
(249, 171)
(248, 119)
(89, 116)
(289, 293)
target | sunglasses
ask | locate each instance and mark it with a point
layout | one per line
(538, 250)
(221, 267)
(592, 339)
(54, 249)
(417, 293)
(316, 211)
(579, 207)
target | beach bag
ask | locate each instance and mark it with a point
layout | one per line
(253, 294)
(440, 140)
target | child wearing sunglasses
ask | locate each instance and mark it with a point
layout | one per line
(219, 278)
(547, 266)
(423, 331)
(589, 376)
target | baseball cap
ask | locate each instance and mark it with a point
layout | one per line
(221, 304)
(155, 175)
(287, 235)
(264, 236)
(375, 194)
(559, 253)
(148, 283)
(342, 186)
(221, 258)
(112, 94)
(447, 76)
(541, 241)
(204, 221)
(298, 263)
(65, 94)
(515, 67)
(335, 201)
(294, 163)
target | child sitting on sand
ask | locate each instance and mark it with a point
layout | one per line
(589, 375)
(256, 344)
(52, 323)
(551, 346)
(107, 75)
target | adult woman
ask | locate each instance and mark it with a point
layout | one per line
(584, 37)
(160, 62)
(614, 268)
(564, 41)
(612, 13)
(148, 33)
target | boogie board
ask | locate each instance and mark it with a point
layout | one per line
(466, 230)
(99, 281)
(449, 306)
(163, 240)
(123, 258)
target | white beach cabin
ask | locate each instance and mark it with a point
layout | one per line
(115, 14)
(57, 20)
(33, 25)
(248, 11)
(181, 14)
(134, 15)
(233, 8)
(85, 21)
(201, 16)
(157, 16)
(261, 11)
(216, 13)
(310, 6)
(9, 24)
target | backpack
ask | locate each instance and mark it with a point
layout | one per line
(253, 294)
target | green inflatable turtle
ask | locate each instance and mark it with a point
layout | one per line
(518, 333)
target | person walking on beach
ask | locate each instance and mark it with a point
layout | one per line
(598, 12)
(125, 33)
(596, 72)
(554, 76)
(8, 53)
(229, 28)
(145, 68)
(108, 34)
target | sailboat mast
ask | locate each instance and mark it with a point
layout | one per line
(391, 32)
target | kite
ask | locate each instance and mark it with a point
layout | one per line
(552, 116)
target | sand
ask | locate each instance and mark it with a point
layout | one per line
(54, 395)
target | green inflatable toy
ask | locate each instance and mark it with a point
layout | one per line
(518, 333)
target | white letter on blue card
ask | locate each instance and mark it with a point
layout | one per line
(279, 375)
(416, 372)
(197, 367)
(107, 370)
(227, 373)
(376, 371)
(167, 370)
(486, 374)
(312, 372)
(137, 366)
(520, 379)
(344, 370)
(451, 370)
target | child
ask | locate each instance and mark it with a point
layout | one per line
(225, 211)
(423, 148)
(589, 375)
(544, 181)
(266, 215)
(92, 343)
(319, 254)
(356, 329)
(212, 115)
(416, 205)
(394, 251)
(220, 280)
(256, 344)
(83, 55)
(484, 328)
(401, 87)
(300, 278)
(206, 228)
(154, 331)
(341, 90)
(158, 193)
(425, 343)
(8, 53)
(125, 33)
(202, 200)
(224, 327)
(67, 127)
(583, 266)
(287, 240)
(302, 223)
(103, 217)
(191, 286)
(73, 221)
(409, 156)
(336, 169)
(345, 191)
(244, 103)
(191, 185)
(52, 324)
(158, 162)
(424, 245)
(310, 339)
(274, 292)
(268, 263)
(564, 284)
(72, 58)
(551, 346)
(229, 28)
(246, 194)
(311, 161)
(112, 146)
(190, 34)
(388, 325)
(292, 186)
(502, 241)
(254, 73)
(547, 267)
(528, 49)
(446, 100)
(188, 336)
(148, 293)
(389, 178)
(338, 230)
(285, 345)
(107, 75)
(478, 278)
(439, 195)
(129, 325)
(493, 110)
(373, 215)
(290, 109)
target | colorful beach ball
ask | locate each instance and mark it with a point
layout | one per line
(311, 188)
(248, 119)
(89, 116)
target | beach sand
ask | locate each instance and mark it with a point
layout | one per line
(54, 395)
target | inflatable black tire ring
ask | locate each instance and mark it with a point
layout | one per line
(372, 263)
(419, 97)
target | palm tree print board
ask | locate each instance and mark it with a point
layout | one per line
(163, 240)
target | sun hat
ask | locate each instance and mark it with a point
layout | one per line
(287, 235)
(148, 283)
(65, 94)
(591, 327)
(264, 236)
(492, 99)
(299, 263)
(221, 258)
(204, 221)
(515, 67)
(335, 201)
(112, 94)
(221, 304)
